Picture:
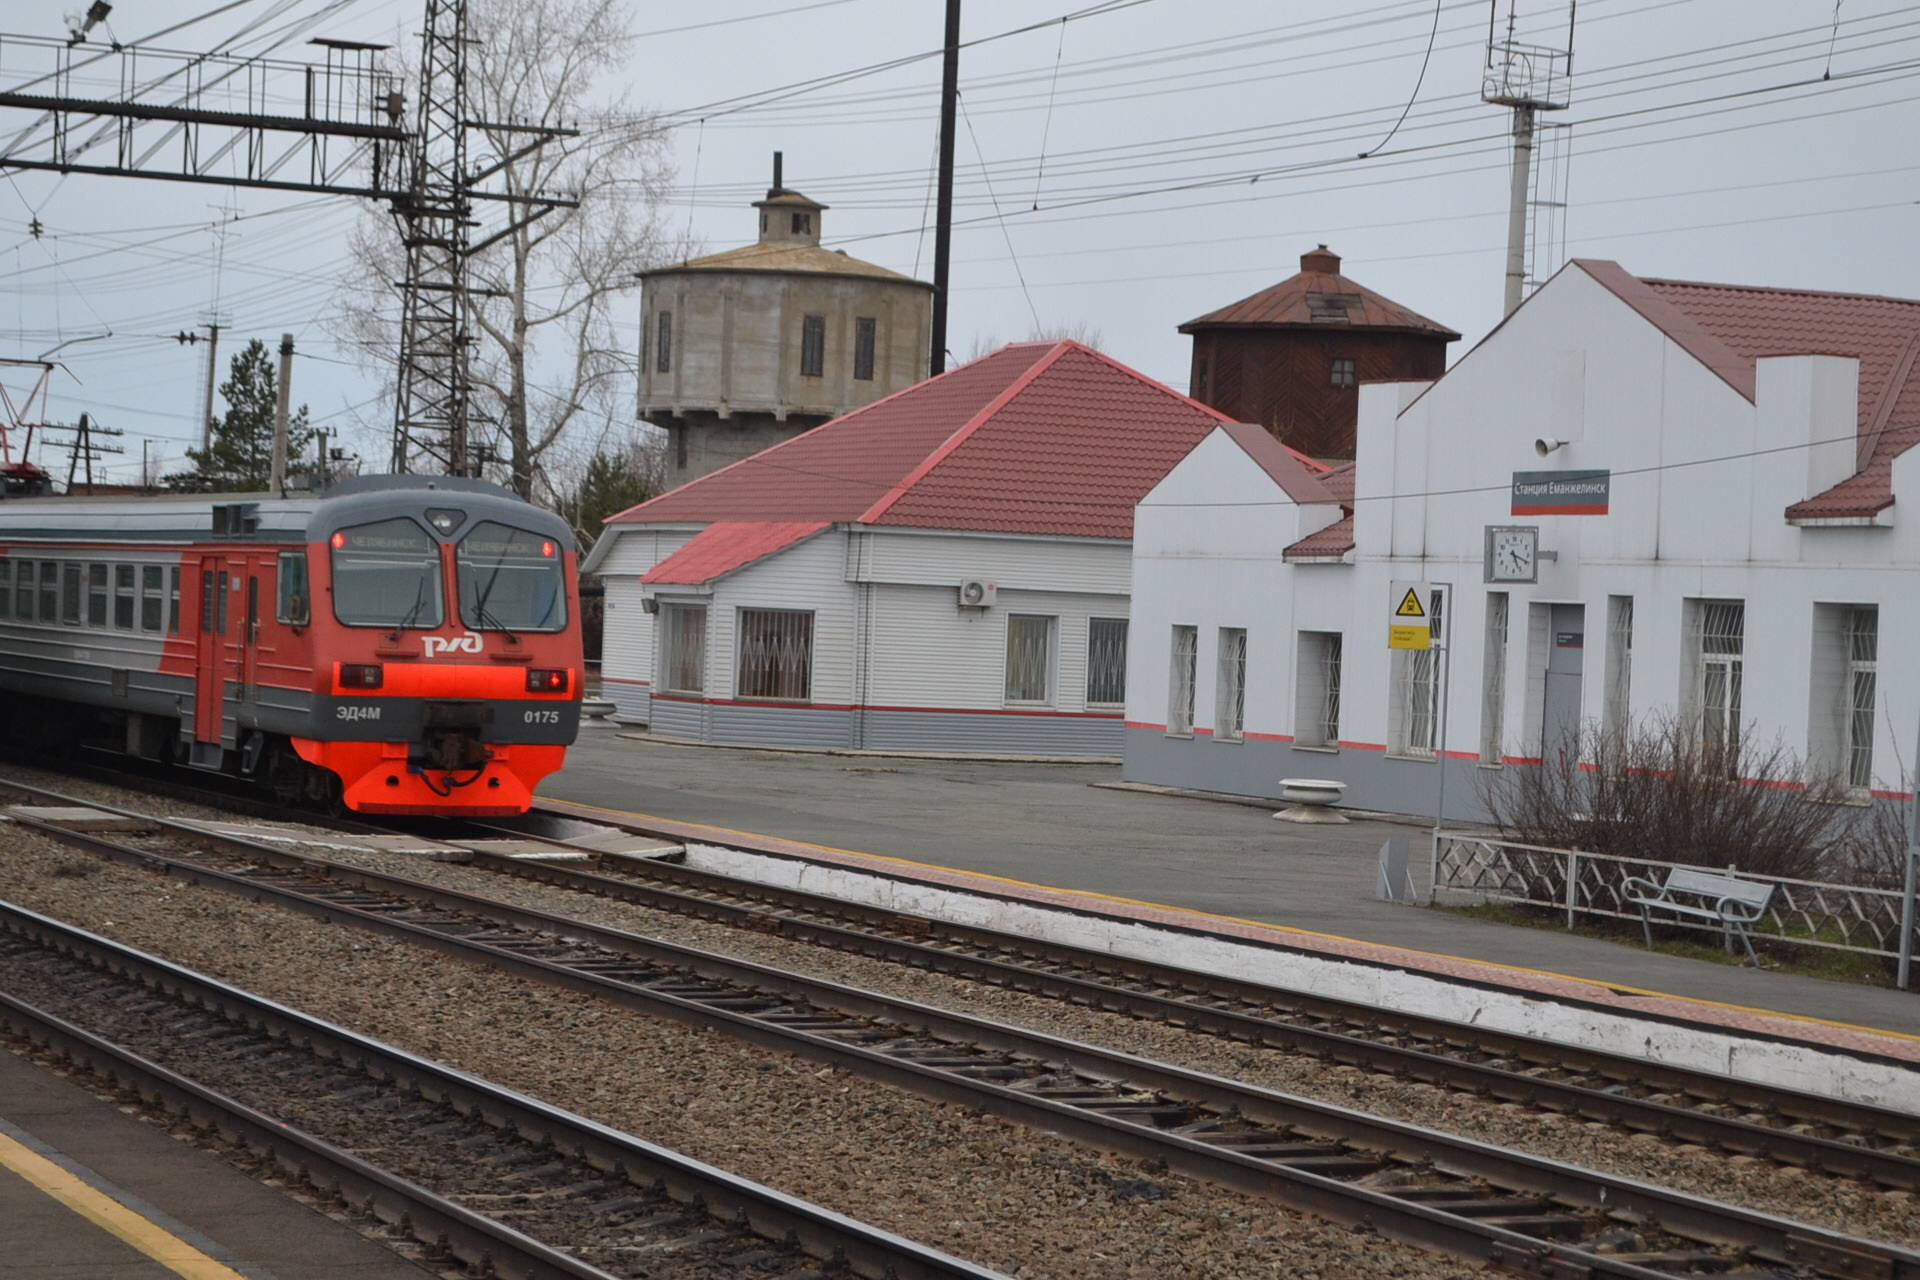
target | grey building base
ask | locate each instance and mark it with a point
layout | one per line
(977, 733)
(1254, 767)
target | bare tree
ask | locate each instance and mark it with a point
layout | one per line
(545, 295)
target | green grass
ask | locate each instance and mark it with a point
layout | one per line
(1811, 962)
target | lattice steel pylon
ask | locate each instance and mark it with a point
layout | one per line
(430, 405)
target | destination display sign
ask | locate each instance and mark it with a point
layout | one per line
(1561, 493)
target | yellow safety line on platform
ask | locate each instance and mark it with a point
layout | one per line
(1613, 988)
(165, 1248)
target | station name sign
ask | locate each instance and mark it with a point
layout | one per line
(1561, 493)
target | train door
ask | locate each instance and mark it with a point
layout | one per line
(209, 670)
(1565, 663)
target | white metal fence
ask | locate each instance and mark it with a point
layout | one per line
(1805, 913)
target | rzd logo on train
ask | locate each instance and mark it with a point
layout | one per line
(468, 643)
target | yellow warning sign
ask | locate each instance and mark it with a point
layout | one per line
(1418, 636)
(1409, 618)
(1410, 607)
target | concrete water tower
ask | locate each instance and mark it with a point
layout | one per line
(743, 349)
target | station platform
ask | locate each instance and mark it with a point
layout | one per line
(89, 1193)
(1060, 833)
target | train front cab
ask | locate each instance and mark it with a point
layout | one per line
(447, 656)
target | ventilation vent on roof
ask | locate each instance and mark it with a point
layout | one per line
(1331, 308)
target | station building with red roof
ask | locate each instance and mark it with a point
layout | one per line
(1634, 499)
(946, 569)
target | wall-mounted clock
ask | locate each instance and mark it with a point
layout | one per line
(1512, 553)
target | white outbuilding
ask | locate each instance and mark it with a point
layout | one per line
(1635, 497)
(944, 570)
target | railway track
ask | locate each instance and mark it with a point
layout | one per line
(1440, 1192)
(436, 1158)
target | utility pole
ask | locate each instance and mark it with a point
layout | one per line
(1529, 79)
(943, 212)
(281, 393)
(213, 369)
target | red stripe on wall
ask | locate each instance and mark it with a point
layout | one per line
(837, 706)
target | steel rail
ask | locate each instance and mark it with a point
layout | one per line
(773, 1215)
(778, 1010)
(1245, 1011)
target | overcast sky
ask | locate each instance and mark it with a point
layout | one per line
(1124, 171)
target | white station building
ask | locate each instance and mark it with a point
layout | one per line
(1692, 490)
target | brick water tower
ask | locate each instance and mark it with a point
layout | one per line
(1292, 357)
(743, 349)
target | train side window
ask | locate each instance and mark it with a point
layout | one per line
(49, 591)
(220, 605)
(96, 595)
(173, 601)
(6, 589)
(152, 599)
(70, 594)
(294, 606)
(23, 592)
(206, 602)
(123, 597)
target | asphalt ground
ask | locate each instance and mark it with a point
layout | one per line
(1056, 825)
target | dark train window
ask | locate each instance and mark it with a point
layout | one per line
(220, 604)
(173, 601)
(1343, 375)
(387, 575)
(511, 580)
(293, 608)
(206, 602)
(23, 592)
(152, 596)
(6, 588)
(96, 595)
(70, 594)
(49, 591)
(123, 597)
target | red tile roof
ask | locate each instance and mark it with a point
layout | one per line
(1329, 543)
(1320, 297)
(1728, 327)
(1042, 438)
(722, 547)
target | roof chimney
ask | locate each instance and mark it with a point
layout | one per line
(777, 188)
(1321, 260)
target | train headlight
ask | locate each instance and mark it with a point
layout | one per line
(546, 681)
(361, 675)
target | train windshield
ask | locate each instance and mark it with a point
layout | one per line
(387, 575)
(510, 580)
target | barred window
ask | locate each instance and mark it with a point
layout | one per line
(1493, 681)
(1186, 645)
(1230, 686)
(152, 596)
(1616, 714)
(776, 654)
(683, 648)
(1106, 662)
(813, 346)
(97, 595)
(1343, 373)
(1417, 691)
(1718, 643)
(863, 338)
(1316, 697)
(1863, 662)
(663, 346)
(1029, 658)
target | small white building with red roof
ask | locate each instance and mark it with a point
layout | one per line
(947, 569)
(1634, 499)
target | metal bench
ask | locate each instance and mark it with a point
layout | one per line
(1730, 902)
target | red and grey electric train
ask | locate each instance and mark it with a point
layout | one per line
(398, 645)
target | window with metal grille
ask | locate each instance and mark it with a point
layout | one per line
(1417, 691)
(1186, 647)
(96, 595)
(683, 648)
(153, 602)
(1106, 662)
(864, 330)
(1863, 663)
(1717, 643)
(1493, 680)
(1316, 702)
(663, 344)
(1029, 658)
(1230, 686)
(70, 594)
(1616, 713)
(776, 654)
(1343, 372)
(813, 346)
